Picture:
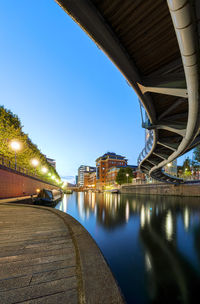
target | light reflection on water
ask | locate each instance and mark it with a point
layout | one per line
(152, 244)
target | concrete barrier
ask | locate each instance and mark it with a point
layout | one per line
(15, 184)
(163, 189)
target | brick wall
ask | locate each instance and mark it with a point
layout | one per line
(13, 184)
(163, 189)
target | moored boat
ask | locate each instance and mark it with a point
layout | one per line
(112, 191)
(68, 191)
(48, 197)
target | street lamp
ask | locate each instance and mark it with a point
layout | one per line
(127, 175)
(44, 170)
(35, 163)
(16, 146)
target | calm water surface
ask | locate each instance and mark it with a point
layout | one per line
(152, 244)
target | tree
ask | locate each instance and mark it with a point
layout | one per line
(187, 167)
(122, 178)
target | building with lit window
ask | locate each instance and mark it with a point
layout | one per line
(104, 163)
(111, 176)
(89, 180)
(81, 170)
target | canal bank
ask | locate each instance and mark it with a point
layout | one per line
(187, 190)
(48, 257)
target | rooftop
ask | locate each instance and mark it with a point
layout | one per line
(111, 155)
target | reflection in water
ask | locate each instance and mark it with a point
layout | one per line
(148, 262)
(152, 244)
(142, 217)
(127, 211)
(169, 226)
(186, 218)
(63, 204)
(81, 208)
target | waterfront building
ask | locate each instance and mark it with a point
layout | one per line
(76, 180)
(81, 170)
(104, 163)
(111, 176)
(90, 180)
(51, 161)
(140, 176)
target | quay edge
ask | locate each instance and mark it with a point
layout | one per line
(187, 190)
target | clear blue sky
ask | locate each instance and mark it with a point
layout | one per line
(73, 102)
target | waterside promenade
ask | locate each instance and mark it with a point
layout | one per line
(48, 257)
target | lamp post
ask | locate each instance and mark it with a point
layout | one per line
(15, 145)
(127, 175)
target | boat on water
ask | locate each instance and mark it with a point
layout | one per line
(112, 191)
(48, 197)
(68, 191)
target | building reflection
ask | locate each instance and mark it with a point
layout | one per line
(113, 210)
(186, 217)
(81, 205)
(142, 217)
(169, 226)
(63, 205)
(127, 212)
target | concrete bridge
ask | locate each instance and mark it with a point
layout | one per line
(155, 44)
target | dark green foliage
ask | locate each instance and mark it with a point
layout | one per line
(187, 168)
(186, 164)
(121, 175)
(11, 129)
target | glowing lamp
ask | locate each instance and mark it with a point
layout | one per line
(15, 145)
(44, 170)
(34, 162)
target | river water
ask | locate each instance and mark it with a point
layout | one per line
(152, 244)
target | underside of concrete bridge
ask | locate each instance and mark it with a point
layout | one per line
(155, 44)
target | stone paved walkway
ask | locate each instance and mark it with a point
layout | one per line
(48, 257)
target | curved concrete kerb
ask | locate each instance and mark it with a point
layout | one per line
(94, 280)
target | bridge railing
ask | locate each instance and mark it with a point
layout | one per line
(7, 163)
(147, 148)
